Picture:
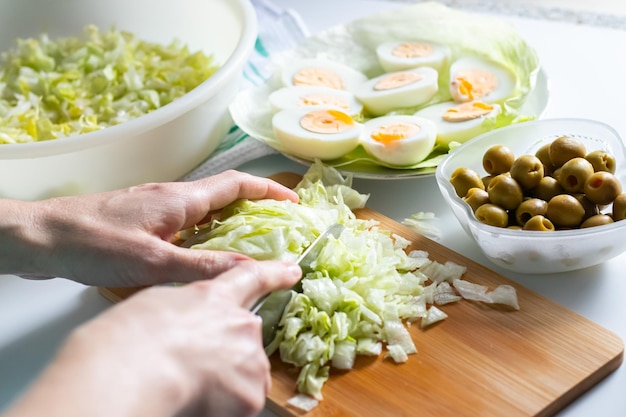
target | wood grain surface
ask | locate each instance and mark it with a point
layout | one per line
(482, 361)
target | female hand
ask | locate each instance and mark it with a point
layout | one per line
(123, 238)
(167, 350)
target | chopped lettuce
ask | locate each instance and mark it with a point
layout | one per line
(362, 289)
(362, 285)
(270, 229)
(51, 89)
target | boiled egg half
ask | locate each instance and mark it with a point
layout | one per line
(474, 78)
(401, 140)
(323, 133)
(322, 73)
(399, 89)
(459, 122)
(313, 96)
(398, 55)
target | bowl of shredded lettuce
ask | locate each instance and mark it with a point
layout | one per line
(96, 96)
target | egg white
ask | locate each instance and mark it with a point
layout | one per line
(460, 131)
(506, 80)
(310, 145)
(295, 97)
(401, 152)
(390, 62)
(380, 102)
(350, 77)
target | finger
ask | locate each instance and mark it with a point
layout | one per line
(214, 193)
(188, 265)
(249, 281)
(243, 185)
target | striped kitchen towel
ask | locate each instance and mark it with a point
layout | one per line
(279, 30)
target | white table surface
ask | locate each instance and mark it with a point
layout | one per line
(586, 66)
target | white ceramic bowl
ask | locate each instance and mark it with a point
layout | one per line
(160, 146)
(534, 251)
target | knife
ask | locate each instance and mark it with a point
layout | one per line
(272, 306)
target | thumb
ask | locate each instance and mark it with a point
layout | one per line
(188, 265)
(250, 280)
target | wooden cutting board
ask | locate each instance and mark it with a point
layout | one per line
(480, 362)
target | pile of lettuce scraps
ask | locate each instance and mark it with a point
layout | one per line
(364, 288)
(51, 89)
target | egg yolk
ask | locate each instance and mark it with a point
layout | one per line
(467, 111)
(326, 121)
(412, 50)
(323, 99)
(397, 80)
(387, 134)
(474, 83)
(318, 77)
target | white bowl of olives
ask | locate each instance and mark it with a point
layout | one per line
(542, 196)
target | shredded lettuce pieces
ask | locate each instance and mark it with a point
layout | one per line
(270, 229)
(363, 286)
(302, 402)
(423, 223)
(55, 88)
(360, 293)
(444, 294)
(502, 294)
(433, 315)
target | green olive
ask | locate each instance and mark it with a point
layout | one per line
(619, 207)
(486, 180)
(591, 208)
(498, 159)
(574, 173)
(547, 188)
(476, 197)
(564, 148)
(527, 170)
(462, 179)
(601, 161)
(505, 192)
(543, 154)
(560, 187)
(492, 215)
(530, 208)
(565, 210)
(597, 220)
(602, 187)
(539, 223)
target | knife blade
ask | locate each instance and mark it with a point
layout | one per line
(272, 306)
